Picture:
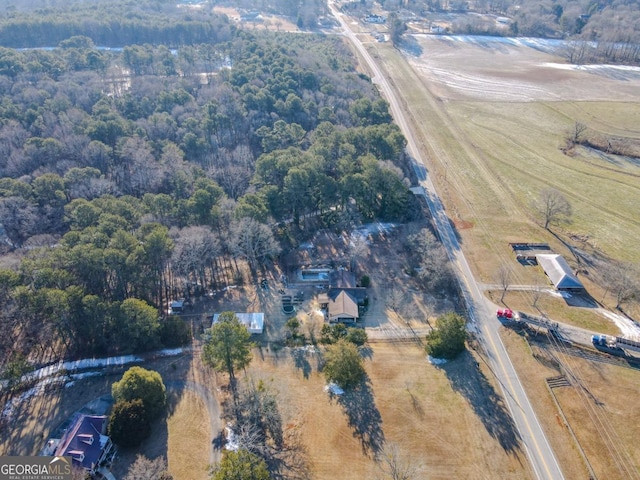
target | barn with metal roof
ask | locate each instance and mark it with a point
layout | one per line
(559, 272)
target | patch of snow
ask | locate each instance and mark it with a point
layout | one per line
(69, 384)
(310, 349)
(557, 293)
(544, 45)
(591, 67)
(436, 361)
(170, 352)
(232, 442)
(85, 364)
(12, 404)
(333, 389)
(628, 328)
(80, 376)
(363, 232)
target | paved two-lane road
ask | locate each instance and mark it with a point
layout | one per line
(481, 311)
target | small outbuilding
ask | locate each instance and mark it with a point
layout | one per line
(253, 321)
(176, 307)
(559, 272)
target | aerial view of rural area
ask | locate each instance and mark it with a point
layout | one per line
(319, 239)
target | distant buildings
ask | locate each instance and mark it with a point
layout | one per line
(373, 18)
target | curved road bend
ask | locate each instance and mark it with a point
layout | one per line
(481, 310)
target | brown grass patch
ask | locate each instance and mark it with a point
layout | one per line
(558, 309)
(462, 224)
(596, 406)
(438, 417)
(189, 438)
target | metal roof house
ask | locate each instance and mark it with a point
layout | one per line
(253, 321)
(86, 443)
(559, 272)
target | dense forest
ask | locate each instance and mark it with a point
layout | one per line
(41, 23)
(133, 176)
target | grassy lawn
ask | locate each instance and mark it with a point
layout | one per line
(556, 307)
(189, 438)
(448, 422)
(597, 407)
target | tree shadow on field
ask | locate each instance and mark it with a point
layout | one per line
(364, 417)
(301, 361)
(467, 379)
(411, 46)
(366, 352)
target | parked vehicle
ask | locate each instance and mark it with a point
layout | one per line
(505, 313)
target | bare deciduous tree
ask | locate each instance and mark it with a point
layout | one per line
(395, 299)
(195, 248)
(577, 132)
(536, 294)
(504, 276)
(623, 280)
(394, 466)
(19, 219)
(434, 269)
(553, 207)
(146, 469)
(253, 241)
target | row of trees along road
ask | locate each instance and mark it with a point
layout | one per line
(129, 178)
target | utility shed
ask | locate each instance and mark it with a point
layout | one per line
(253, 321)
(559, 272)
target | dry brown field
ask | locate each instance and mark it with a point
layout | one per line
(447, 422)
(598, 407)
(189, 439)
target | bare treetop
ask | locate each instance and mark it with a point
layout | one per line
(553, 207)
